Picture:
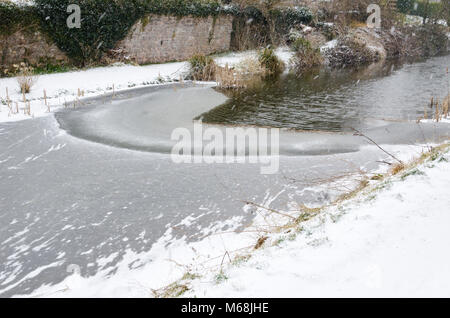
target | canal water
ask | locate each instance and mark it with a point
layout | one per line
(74, 190)
(336, 100)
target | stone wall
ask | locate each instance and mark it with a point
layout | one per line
(155, 39)
(158, 39)
(31, 47)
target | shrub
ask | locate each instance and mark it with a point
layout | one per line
(203, 68)
(14, 17)
(432, 39)
(349, 52)
(306, 57)
(269, 61)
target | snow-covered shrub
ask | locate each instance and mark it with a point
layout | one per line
(349, 52)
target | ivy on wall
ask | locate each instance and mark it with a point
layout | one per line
(286, 18)
(103, 23)
(13, 18)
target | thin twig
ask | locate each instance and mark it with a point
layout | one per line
(269, 209)
(372, 141)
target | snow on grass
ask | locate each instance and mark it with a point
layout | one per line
(389, 242)
(283, 53)
(443, 120)
(329, 45)
(65, 87)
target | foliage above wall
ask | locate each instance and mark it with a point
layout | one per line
(286, 18)
(103, 23)
(13, 18)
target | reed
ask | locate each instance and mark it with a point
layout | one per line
(26, 79)
(446, 106)
(245, 74)
(8, 101)
(439, 110)
(45, 101)
(203, 68)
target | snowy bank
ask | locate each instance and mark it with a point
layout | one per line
(71, 87)
(390, 241)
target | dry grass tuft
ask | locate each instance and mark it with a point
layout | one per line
(439, 110)
(171, 291)
(245, 74)
(260, 242)
(397, 168)
(26, 79)
(203, 68)
(227, 77)
(446, 107)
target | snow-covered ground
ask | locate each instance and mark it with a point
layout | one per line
(65, 88)
(390, 242)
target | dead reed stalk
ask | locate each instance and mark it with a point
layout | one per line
(8, 101)
(25, 79)
(441, 109)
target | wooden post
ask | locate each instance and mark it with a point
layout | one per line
(113, 93)
(7, 99)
